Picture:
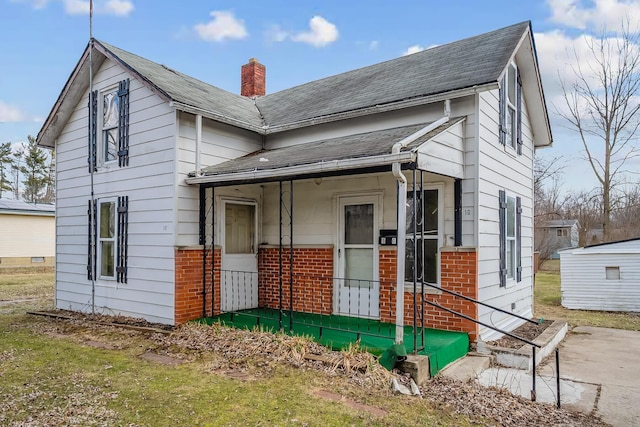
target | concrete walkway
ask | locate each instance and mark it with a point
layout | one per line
(599, 371)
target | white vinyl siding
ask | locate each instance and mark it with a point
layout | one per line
(500, 168)
(149, 183)
(603, 277)
(219, 143)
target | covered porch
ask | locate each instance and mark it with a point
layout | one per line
(340, 239)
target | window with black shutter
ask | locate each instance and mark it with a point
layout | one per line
(123, 237)
(510, 94)
(502, 214)
(510, 219)
(91, 243)
(123, 123)
(92, 126)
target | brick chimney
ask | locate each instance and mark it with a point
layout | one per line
(253, 76)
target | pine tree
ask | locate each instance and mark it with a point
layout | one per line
(5, 166)
(35, 171)
(50, 193)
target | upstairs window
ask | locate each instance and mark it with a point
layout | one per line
(109, 118)
(511, 109)
(110, 124)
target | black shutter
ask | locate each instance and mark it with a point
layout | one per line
(123, 124)
(123, 238)
(519, 113)
(518, 239)
(93, 128)
(91, 240)
(457, 202)
(502, 213)
(502, 107)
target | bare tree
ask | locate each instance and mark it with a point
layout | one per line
(601, 100)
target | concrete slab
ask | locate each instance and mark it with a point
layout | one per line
(469, 367)
(607, 358)
(573, 394)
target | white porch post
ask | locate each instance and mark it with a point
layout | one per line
(400, 255)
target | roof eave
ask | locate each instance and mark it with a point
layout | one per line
(306, 169)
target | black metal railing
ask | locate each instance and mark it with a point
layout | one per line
(486, 325)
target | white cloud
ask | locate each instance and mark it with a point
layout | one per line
(413, 49)
(81, 7)
(223, 25)
(9, 113)
(374, 45)
(36, 4)
(321, 33)
(119, 7)
(76, 7)
(598, 14)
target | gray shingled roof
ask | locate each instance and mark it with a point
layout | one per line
(188, 90)
(16, 206)
(466, 63)
(554, 223)
(349, 147)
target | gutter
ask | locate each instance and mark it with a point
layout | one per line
(312, 168)
(402, 217)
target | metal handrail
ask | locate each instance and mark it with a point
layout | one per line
(531, 343)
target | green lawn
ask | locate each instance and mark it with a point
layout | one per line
(547, 305)
(49, 375)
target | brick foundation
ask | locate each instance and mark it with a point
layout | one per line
(188, 284)
(458, 273)
(313, 279)
(313, 285)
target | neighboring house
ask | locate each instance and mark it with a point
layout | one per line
(555, 235)
(208, 201)
(605, 276)
(28, 234)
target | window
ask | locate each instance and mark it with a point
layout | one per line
(612, 273)
(427, 237)
(561, 232)
(112, 124)
(108, 239)
(511, 109)
(510, 230)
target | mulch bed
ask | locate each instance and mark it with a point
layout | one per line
(253, 354)
(527, 331)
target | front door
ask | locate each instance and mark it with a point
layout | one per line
(358, 287)
(239, 269)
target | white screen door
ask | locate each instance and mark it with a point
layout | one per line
(239, 275)
(358, 287)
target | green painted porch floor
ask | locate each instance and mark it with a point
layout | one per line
(337, 332)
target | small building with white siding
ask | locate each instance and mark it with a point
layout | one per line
(603, 277)
(28, 233)
(343, 196)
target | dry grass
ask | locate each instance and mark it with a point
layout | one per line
(548, 305)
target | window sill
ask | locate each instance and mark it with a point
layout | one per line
(428, 290)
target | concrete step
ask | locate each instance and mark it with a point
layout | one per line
(469, 367)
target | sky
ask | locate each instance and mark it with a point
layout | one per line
(298, 41)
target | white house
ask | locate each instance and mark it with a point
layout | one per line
(206, 201)
(28, 234)
(555, 235)
(604, 277)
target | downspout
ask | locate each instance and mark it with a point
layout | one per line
(198, 143)
(402, 218)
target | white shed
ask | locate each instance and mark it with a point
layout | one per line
(602, 277)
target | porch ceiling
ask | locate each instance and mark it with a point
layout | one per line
(348, 153)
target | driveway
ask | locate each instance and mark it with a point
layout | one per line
(608, 359)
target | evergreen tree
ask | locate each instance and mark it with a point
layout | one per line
(50, 193)
(5, 167)
(35, 172)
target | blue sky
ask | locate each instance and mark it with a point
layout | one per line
(298, 41)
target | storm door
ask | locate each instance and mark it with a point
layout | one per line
(358, 287)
